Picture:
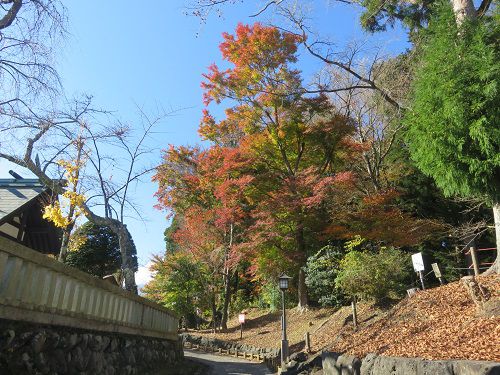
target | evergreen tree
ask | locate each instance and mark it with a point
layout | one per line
(454, 123)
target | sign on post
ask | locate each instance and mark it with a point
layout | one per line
(437, 272)
(418, 262)
(418, 266)
(241, 318)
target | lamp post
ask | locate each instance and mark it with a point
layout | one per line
(283, 284)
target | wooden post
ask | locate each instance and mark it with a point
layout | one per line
(241, 331)
(475, 263)
(354, 312)
(307, 340)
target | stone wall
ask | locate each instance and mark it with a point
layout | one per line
(372, 364)
(27, 348)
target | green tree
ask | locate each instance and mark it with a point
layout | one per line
(95, 250)
(322, 269)
(453, 125)
(373, 275)
(179, 283)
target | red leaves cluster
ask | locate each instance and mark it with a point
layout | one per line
(256, 53)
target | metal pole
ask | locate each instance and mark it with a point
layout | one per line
(421, 274)
(284, 341)
(241, 330)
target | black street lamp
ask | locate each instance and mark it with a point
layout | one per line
(283, 284)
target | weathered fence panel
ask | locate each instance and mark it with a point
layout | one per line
(38, 289)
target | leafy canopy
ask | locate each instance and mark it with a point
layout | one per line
(96, 250)
(454, 123)
(373, 275)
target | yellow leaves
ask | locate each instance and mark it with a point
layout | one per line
(53, 213)
(75, 199)
(66, 213)
(76, 241)
(72, 170)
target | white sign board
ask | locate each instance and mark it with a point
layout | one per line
(241, 318)
(418, 262)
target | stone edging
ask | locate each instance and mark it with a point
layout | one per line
(268, 355)
(373, 364)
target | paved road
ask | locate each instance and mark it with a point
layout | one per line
(222, 365)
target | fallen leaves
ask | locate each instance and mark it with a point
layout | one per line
(440, 323)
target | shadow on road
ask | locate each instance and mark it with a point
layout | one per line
(225, 365)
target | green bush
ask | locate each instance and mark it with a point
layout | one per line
(374, 276)
(321, 270)
(270, 297)
(240, 302)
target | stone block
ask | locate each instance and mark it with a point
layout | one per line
(339, 364)
(476, 368)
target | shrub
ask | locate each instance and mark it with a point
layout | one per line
(321, 270)
(270, 297)
(375, 276)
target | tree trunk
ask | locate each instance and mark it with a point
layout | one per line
(463, 9)
(227, 280)
(227, 298)
(495, 267)
(303, 300)
(63, 251)
(214, 312)
(126, 249)
(302, 289)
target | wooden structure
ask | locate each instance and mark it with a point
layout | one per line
(21, 209)
(37, 289)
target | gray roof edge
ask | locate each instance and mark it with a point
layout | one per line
(25, 182)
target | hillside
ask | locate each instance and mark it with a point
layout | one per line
(438, 323)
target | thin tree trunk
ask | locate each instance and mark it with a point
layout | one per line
(495, 268)
(303, 300)
(63, 251)
(214, 312)
(227, 281)
(227, 298)
(302, 289)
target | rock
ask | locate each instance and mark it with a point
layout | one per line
(476, 368)
(113, 345)
(38, 342)
(367, 363)
(299, 356)
(7, 338)
(339, 364)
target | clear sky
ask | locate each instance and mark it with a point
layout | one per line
(152, 54)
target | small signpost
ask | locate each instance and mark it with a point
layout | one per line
(437, 272)
(241, 318)
(418, 266)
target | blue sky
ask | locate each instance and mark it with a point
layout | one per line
(151, 54)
